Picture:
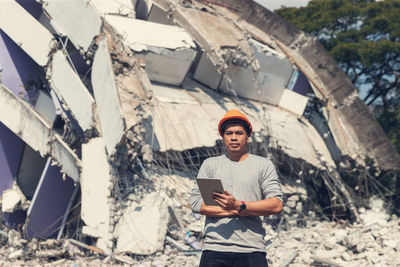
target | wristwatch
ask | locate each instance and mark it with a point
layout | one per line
(242, 205)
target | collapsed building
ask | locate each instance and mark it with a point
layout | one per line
(102, 100)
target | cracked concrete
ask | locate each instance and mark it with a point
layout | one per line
(35, 131)
(78, 20)
(38, 45)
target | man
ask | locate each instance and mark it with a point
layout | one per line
(233, 234)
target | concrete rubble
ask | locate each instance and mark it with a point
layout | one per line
(78, 20)
(107, 100)
(37, 45)
(96, 181)
(115, 7)
(71, 91)
(36, 132)
(166, 60)
(142, 228)
(108, 108)
(311, 240)
(12, 198)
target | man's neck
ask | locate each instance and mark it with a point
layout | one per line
(238, 157)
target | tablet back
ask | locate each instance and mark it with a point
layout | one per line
(207, 186)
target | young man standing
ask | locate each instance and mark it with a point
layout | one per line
(233, 234)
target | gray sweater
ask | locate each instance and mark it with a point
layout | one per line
(252, 179)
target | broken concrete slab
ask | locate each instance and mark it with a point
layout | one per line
(265, 82)
(128, 88)
(142, 35)
(187, 119)
(33, 38)
(107, 98)
(11, 199)
(265, 79)
(76, 19)
(24, 118)
(207, 72)
(130, 77)
(143, 226)
(115, 7)
(70, 163)
(49, 204)
(262, 77)
(36, 132)
(70, 90)
(158, 15)
(96, 183)
(188, 114)
(293, 102)
(301, 142)
(168, 67)
(167, 59)
(212, 31)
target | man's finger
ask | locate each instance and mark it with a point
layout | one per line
(219, 202)
(227, 193)
(219, 195)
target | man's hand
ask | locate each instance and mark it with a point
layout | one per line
(226, 201)
(265, 207)
(217, 211)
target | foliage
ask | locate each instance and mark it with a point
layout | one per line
(363, 36)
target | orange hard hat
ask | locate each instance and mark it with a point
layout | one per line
(234, 114)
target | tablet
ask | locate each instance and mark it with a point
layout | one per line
(207, 187)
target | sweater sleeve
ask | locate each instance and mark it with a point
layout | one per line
(270, 184)
(195, 198)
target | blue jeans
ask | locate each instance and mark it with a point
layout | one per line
(211, 258)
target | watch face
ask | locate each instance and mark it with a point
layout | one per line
(242, 206)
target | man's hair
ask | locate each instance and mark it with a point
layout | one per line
(242, 123)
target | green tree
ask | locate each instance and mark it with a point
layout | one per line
(363, 36)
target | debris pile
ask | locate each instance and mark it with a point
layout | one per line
(372, 243)
(108, 108)
(315, 241)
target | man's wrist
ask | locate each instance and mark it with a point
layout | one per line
(242, 206)
(237, 205)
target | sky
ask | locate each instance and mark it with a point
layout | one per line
(275, 4)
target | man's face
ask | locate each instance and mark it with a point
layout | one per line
(235, 139)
